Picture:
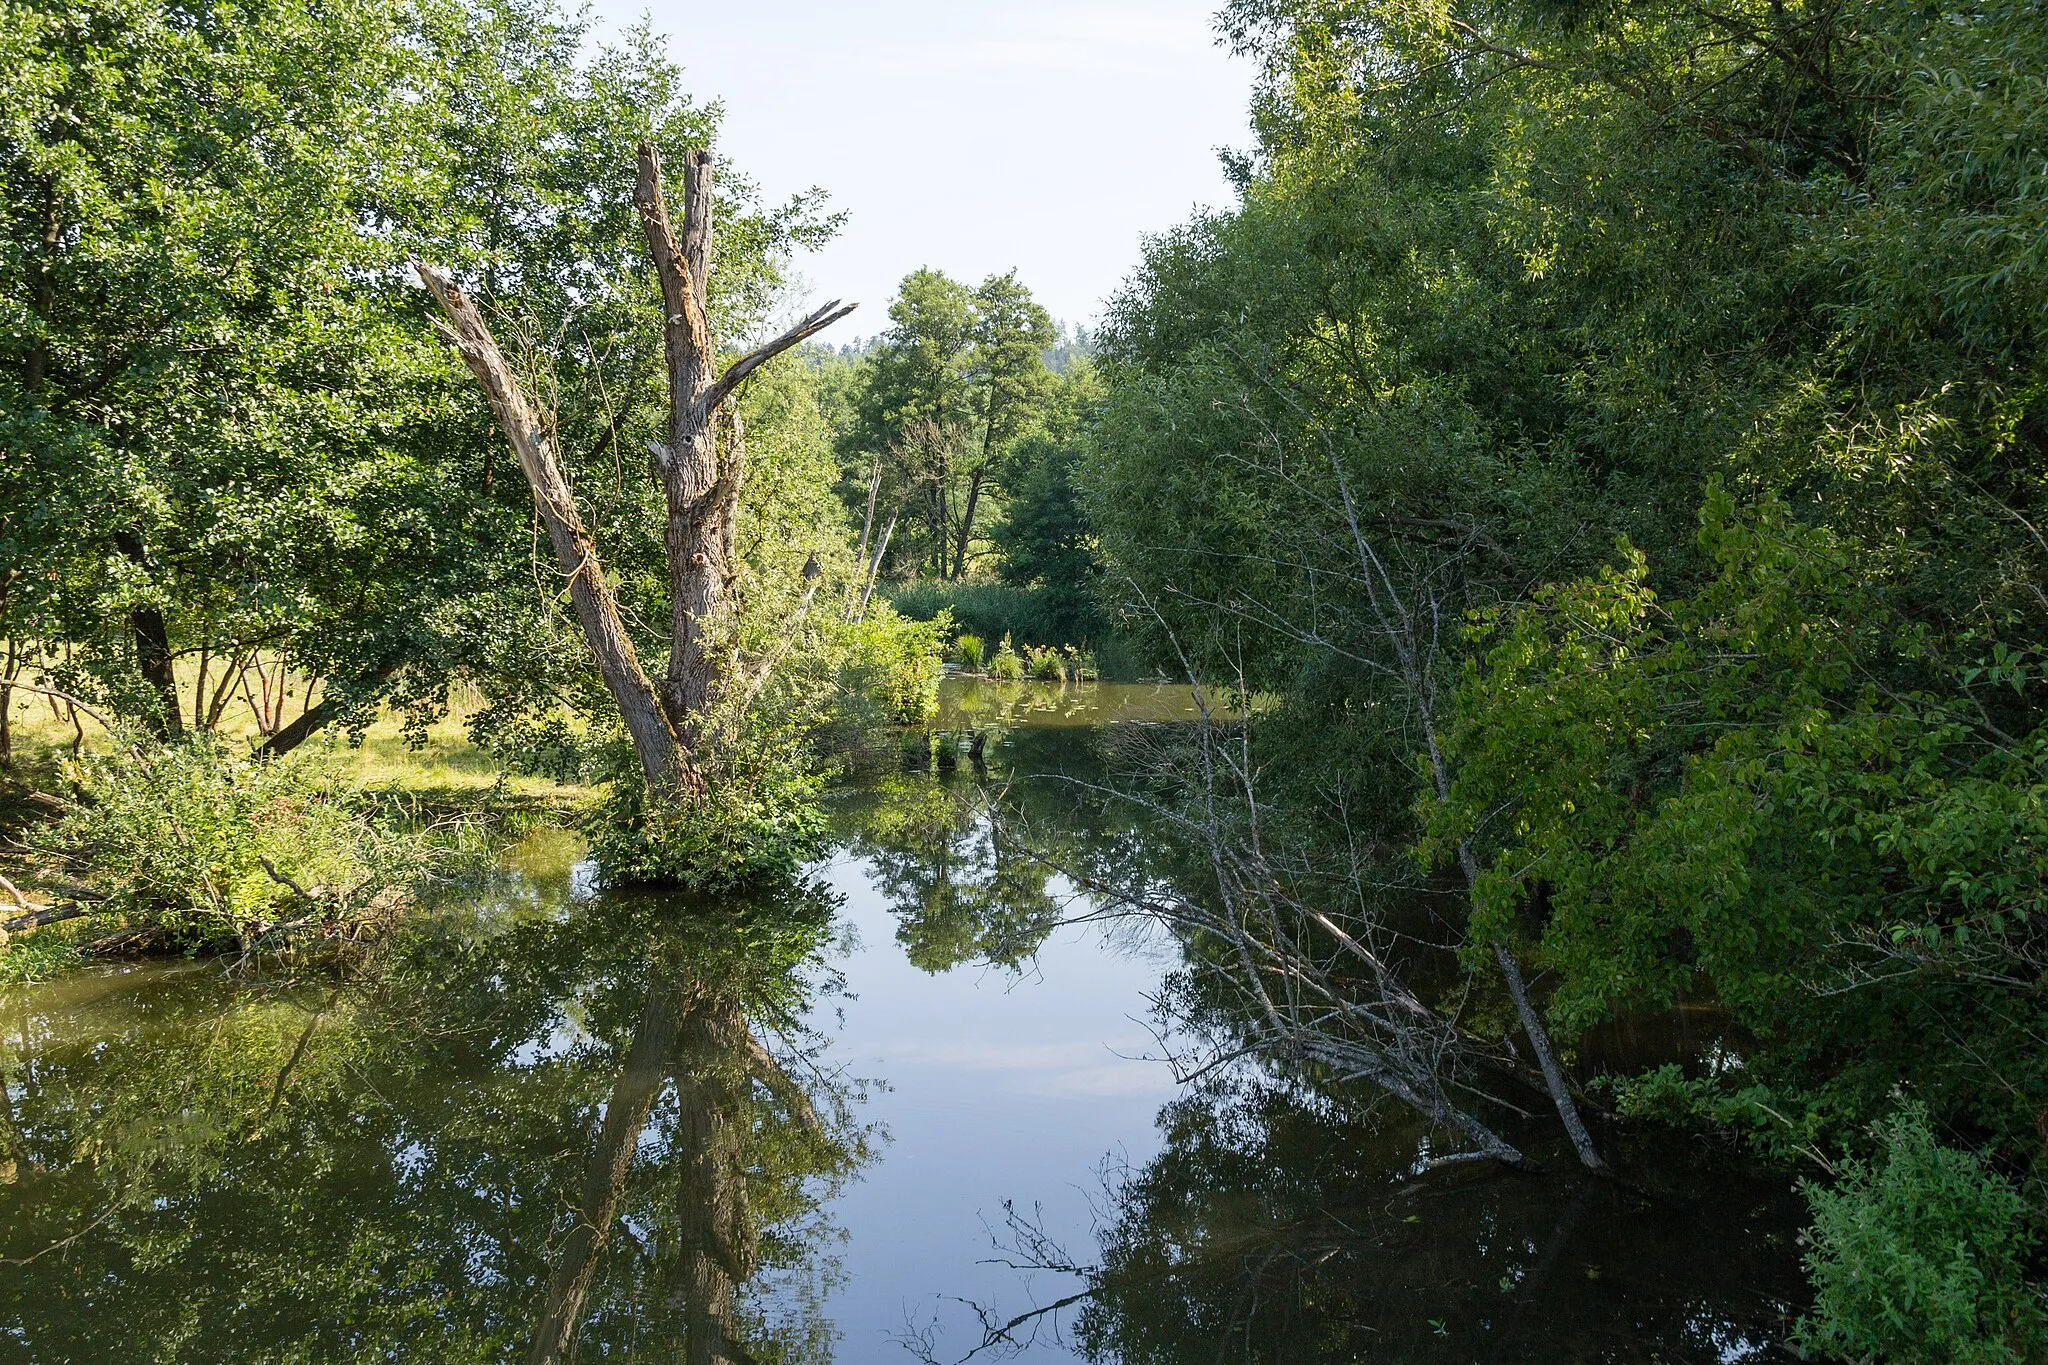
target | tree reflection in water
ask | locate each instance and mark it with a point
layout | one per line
(543, 1128)
(497, 1142)
(1276, 1226)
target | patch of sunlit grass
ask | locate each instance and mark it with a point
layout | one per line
(449, 768)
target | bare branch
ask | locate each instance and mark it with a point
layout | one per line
(753, 360)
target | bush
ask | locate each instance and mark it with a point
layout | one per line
(211, 846)
(1918, 1260)
(969, 650)
(1007, 665)
(738, 832)
(1047, 666)
(897, 661)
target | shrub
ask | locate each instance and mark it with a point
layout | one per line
(738, 832)
(896, 662)
(212, 846)
(989, 610)
(1918, 1260)
(1007, 665)
(969, 650)
(1047, 666)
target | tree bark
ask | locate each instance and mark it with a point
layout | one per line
(699, 500)
(967, 520)
(867, 525)
(701, 491)
(7, 675)
(663, 758)
(152, 645)
(314, 718)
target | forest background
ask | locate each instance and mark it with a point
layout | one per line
(1607, 439)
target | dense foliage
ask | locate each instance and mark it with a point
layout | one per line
(1614, 436)
(187, 839)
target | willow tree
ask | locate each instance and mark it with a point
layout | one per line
(699, 469)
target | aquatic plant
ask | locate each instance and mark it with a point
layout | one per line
(1007, 665)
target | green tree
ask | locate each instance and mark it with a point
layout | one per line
(915, 405)
(1506, 283)
(1046, 540)
(1012, 387)
(213, 398)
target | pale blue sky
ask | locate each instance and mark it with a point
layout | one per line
(973, 136)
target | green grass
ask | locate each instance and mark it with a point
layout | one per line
(448, 770)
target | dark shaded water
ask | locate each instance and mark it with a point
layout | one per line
(785, 1130)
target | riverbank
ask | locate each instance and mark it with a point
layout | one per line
(453, 800)
(429, 809)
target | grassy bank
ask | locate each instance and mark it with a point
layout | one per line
(105, 853)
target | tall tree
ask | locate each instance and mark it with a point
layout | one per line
(916, 401)
(225, 435)
(1011, 336)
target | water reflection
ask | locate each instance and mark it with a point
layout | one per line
(1269, 1229)
(551, 1136)
(960, 886)
(556, 1125)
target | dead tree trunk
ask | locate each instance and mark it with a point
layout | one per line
(702, 491)
(666, 762)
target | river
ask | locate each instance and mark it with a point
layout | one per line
(858, 1121)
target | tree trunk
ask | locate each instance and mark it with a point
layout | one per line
(867, 525)
(665, 762)
(967, 520)
(199, 684)
(699, 499)
(152, 646)
(701, 490)
(874, 573)
(314, 718)
(153, 657)
(7, 676)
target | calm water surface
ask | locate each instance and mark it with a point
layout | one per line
(559, 1124)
